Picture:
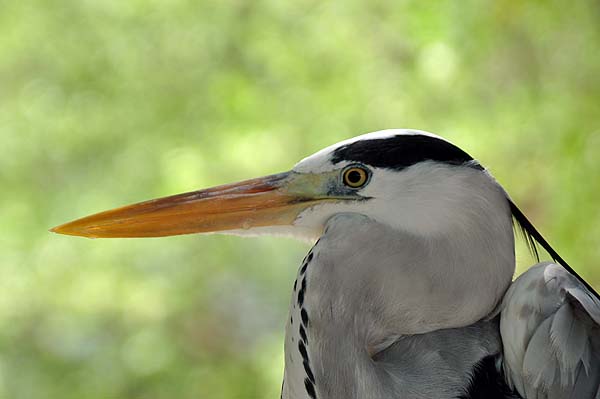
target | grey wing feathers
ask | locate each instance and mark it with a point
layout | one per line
(550, 329)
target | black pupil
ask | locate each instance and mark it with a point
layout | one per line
(354, 177)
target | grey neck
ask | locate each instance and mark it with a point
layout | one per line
(365, 285)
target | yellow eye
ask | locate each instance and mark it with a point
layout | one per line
(355, 177)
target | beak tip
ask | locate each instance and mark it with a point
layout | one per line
(65, 230)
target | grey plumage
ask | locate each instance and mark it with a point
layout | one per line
(551, 332)
(434, 357)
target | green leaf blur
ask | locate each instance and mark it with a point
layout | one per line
(104, 103)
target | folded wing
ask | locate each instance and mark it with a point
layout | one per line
(550, 329)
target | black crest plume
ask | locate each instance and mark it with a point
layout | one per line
(533, 237)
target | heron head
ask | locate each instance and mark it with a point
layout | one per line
(410, 180)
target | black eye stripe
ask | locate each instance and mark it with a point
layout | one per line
(402, 151)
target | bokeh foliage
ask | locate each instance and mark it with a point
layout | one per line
(108, 102)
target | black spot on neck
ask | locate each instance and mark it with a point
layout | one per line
(302, 349)
(303, 335)
(308, 371)
(301, 293)
(304, 317)
(310, 388)
(303, 269)
(400, 152)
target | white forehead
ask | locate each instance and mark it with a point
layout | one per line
(321, 161)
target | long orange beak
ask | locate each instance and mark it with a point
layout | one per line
(252, 203)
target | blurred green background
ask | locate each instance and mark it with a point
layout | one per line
(106, 102)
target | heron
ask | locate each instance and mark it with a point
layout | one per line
(407, 291)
